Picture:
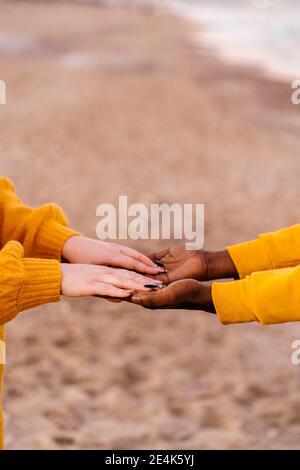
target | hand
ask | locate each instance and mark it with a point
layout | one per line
(185, 294)
(191, 264)
(181, 264)
(79, 280)
(85, 250)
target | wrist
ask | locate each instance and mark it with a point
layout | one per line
(70, 247)
(219, 265)
(203, 299)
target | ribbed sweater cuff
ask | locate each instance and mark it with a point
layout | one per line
(51, 238)
(250, 257)
(42, 283)
(233, 302)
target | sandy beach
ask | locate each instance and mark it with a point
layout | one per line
(105, 101)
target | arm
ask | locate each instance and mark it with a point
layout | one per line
(267, 297)
(273, 250)
(25, 283)
(29, 282)
(270, 251)
(42, 231)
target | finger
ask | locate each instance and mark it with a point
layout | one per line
(159, 255)
(135, 265)
(165, 278)
(114, 301)
(138, 277)
(138, 256)
(152, 300)
(107, 290)
(123, 282)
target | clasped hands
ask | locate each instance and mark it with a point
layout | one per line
(173, 278)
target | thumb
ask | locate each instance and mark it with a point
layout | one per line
(150, 300)
(163, 277)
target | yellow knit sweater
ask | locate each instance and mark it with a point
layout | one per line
(31, 241)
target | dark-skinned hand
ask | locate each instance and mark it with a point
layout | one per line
(184, 294)
(194, 264)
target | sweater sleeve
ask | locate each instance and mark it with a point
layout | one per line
(42, 231)
(25, 283)
(270, 251)
(267, 297)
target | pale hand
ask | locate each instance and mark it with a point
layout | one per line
(80, 280)
(84, 250)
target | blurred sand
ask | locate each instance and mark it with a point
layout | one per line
(103, 102)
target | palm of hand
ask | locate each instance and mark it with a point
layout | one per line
(179, 294)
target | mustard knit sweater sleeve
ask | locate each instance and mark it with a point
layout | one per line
(42, 231)
(269, 289)
(274, 250)
(25, 282)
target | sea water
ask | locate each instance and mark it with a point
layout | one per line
(263, 33)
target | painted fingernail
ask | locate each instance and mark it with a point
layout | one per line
(159, 263)
(152, 286)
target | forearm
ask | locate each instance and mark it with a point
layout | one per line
(267, 297)
(25, 282)
(42, 231)
(269, 251)
(202, 301)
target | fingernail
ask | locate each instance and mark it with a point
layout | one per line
(159, 263)
(152, 286)
(161, 270)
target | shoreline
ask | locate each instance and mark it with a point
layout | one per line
(223, 45)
